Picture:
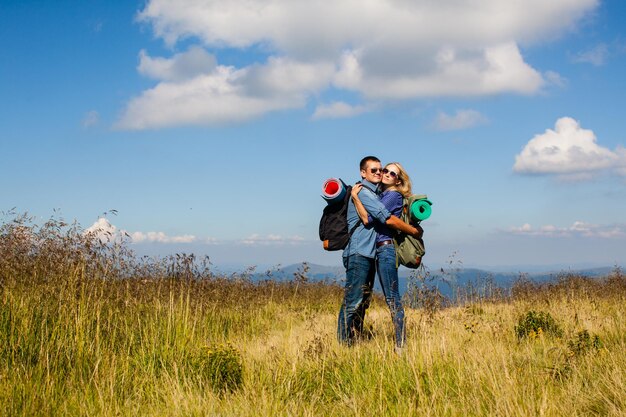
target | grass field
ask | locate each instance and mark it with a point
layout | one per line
(88, 329)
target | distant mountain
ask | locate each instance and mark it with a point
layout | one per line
(446, 280)
(313, 272)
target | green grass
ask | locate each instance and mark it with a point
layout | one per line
(86, 329)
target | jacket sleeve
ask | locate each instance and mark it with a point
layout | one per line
(373, 206)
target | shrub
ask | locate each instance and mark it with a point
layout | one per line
(222, 367)
(583, 342)
(535, 323)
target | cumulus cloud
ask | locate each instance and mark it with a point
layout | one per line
(103, 230)
(462, 119)
(256, 239)
(577, 229)
(380, 49)
(195, 61)
(338, 110)
(106, 232)
(296, 26)
(570, 152)
(160, 237)
(453, 71)
(223, 95)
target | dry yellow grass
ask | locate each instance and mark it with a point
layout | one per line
(88, 330)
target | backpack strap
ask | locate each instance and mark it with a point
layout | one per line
(367, 187)
(359, 221)
(354, 227)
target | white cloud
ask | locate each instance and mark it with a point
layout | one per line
(569, 152)
(91, 118)
(449, 72)
(337, 110)
(295, 26)
(595, 56)
(160, 237)
(381, 49)
(555, 78)
(577, 229)
(256, 239)
(620, 168)
(195, 61)
(462, 119)
(225, 95)
(105, 231)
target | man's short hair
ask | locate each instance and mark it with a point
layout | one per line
(365, 160)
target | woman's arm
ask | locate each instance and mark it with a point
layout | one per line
(358, 205)
(415, 231)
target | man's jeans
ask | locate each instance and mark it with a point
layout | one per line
(360, 273)
(388, 275)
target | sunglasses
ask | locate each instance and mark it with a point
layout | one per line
(375, 170)
(393, 174)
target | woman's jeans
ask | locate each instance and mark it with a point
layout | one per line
(360, 274)
(388, 275)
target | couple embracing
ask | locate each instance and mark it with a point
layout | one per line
(374, 217)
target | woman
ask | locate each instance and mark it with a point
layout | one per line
(396, 184)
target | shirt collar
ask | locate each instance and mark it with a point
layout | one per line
(370, 185)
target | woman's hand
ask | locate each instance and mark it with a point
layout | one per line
(419, 232)
(355, 190)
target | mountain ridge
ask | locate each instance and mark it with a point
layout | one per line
(447, 280)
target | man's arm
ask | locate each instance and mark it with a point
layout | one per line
(375, 209)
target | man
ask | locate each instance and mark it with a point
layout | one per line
(359, 254)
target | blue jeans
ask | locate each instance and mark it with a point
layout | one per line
(360, 274)
(388, 275)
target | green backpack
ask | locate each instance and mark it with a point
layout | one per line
(409, 250)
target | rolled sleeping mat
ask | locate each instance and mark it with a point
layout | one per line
(333, 190)
(421, 209)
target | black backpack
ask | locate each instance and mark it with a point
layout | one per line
(334, 223)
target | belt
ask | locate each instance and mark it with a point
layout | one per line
(383, 243)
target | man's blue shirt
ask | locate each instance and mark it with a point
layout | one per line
(363, 240)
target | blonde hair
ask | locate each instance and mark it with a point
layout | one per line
(404, 187)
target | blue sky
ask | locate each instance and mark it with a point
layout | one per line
(211, 126)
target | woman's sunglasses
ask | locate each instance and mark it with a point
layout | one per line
(393, 174)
